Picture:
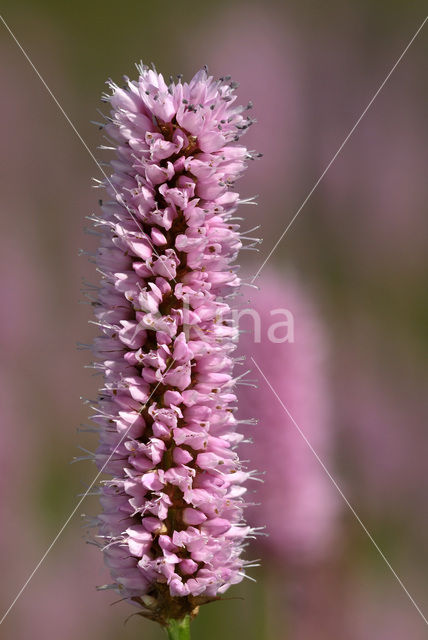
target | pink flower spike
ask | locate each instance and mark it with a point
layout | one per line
(172, 527)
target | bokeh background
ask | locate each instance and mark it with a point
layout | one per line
(352, 270)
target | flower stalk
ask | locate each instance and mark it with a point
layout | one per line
(179, 629)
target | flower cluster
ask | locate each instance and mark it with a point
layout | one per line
(172, 524)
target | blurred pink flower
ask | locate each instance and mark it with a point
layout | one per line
(298, 502)
(380, 183)
(41, 368)
(265, 58)
(383, 409)
(372, 199)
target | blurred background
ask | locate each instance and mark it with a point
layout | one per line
(352, 270)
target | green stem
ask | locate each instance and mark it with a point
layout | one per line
(179, 629)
